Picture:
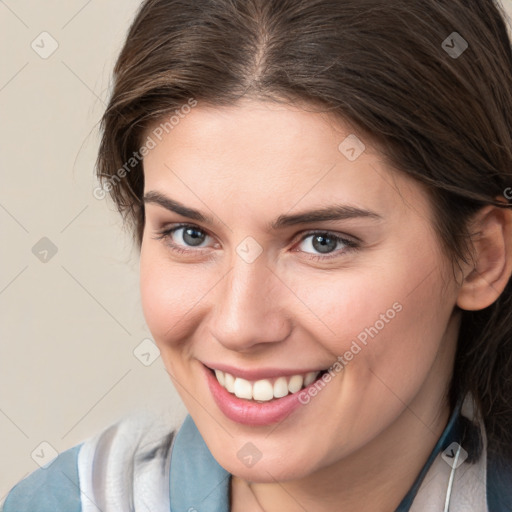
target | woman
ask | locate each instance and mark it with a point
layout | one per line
(320, 190)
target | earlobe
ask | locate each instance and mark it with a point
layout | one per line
(492, 256)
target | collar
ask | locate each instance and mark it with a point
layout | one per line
(452, 433)
(198, 482)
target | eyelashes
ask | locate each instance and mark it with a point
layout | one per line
(317, 240)
(317, 236)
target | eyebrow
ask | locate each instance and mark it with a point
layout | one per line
(173, 206)
(327, 213)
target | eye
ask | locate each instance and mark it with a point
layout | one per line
(324, 245)
(182, 236)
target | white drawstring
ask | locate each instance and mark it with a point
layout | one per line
(450, 482)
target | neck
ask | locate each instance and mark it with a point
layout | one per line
(376, 477)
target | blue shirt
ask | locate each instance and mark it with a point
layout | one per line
(198, 482)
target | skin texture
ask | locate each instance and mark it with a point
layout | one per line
(373, 426)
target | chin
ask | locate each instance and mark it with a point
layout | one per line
(280, 467)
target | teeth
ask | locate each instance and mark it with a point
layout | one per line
(264, 390)
(295, 383)
(310, 377)
(280, 387)
(243, 388)
(229, 382)
(220, 377)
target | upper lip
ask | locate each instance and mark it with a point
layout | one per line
(259, 373)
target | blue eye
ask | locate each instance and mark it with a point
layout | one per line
(188, 236)
(325, 245)
(191, 236)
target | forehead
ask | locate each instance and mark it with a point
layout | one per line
(260, 154)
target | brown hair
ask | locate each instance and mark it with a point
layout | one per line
(387, 67)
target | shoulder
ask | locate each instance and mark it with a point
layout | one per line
(126, 463)
(52, 489)
(499, 483)
(126, 466)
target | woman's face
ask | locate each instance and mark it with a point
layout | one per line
(302, 251)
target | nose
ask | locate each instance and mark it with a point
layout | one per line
(250, 307)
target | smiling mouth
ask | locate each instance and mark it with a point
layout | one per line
(265, 390)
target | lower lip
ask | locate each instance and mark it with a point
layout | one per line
(249, 412)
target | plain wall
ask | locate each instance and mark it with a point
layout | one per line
(70, 321)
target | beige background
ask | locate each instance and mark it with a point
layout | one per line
(70, 323)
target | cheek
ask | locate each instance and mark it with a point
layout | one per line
(170, 294)
(381, 319)
(348, 307)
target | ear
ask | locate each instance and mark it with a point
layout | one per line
(486, 279)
